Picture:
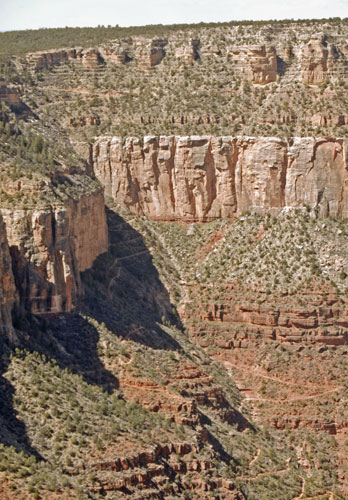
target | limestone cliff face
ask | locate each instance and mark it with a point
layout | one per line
(312, 59)
(203, 178)
(257, 63)
(318, 60)
(49, 247)
(8, 294)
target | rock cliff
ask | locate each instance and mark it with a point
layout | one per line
(8, 294)
(318, 60)
(10, 94)
(50, 246)
(201, 178)
(257, 63)
(237, 320)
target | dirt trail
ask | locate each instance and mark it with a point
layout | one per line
(262, 474)
(91, 93)
(296, 398)
(228, 364)
(115, 263)
(300, 497)
(329, 494)
(255, 458)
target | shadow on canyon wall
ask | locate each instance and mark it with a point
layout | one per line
(124, 290)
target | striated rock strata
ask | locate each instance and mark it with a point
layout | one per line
(49, 247)
(257, 63)
(318, 60)
(243, 314)
(202, 178)
(10, 94)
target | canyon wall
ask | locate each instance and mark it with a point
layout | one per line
(8, 294)
(201, 178)
(313, 60)
(239, 316)
(50, 247)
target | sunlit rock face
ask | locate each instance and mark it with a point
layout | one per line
(201, 178)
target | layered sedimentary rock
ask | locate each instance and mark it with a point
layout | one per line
(10, 94)
(50, 247)
(312, 59)
(45, 60)
(317, 60)
(188, 51)
(204, 178)
(91, 58)
(8, 294)
(241, 316)
(118, 52)
(258, 63)
(150, 54)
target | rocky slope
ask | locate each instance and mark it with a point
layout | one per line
(317, 58)
(54, 216)
(204, 178)
(270, 79)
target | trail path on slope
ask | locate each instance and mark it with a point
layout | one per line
(257, 454)
(115, 263)
(283, 400)
(267, 473)
(302, 497)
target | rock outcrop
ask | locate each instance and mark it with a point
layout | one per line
(10, 94)
(45, 60)
(201, 178)
(317, 60)
(50, 247)
(118, 52)
(188, 52)
(236, 320)
(150, 54)
(8, 294)
(257, 63)
(91, 58)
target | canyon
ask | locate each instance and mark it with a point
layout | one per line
(173, 267)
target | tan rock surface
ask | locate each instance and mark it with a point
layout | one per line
(318, 60)
(258, 63)
(50, 247)
(91, 58)
(204, 177)
(10, 94)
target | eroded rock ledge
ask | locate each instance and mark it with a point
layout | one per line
(201, 178)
